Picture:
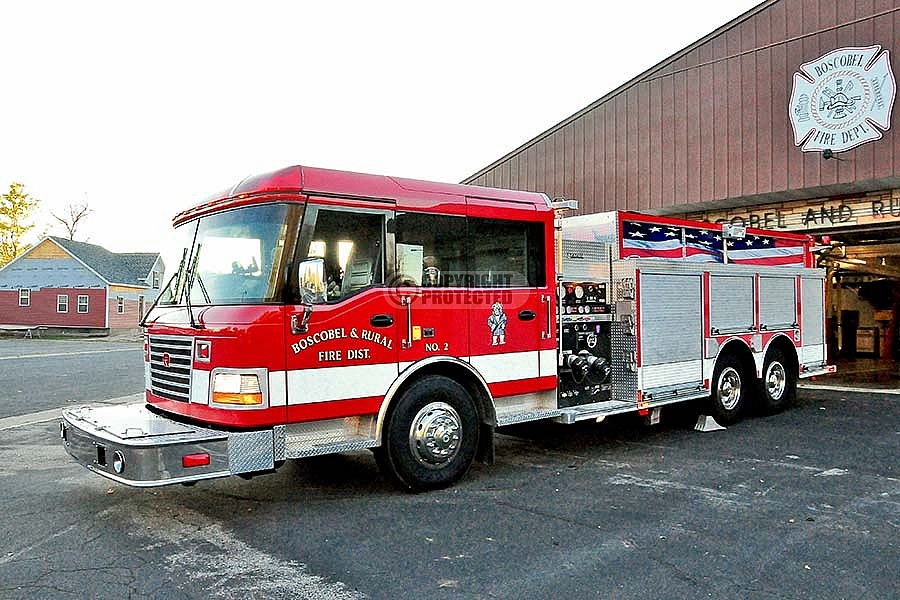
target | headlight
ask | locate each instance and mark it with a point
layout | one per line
(237, 388)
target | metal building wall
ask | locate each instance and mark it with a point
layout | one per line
(710, 125)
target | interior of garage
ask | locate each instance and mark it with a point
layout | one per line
(863, 299)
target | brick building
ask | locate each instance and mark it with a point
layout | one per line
(780, 119)
(63, 284)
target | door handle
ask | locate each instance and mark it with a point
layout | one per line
(381, 320)
(299, 325)
(547, 335)
(407, 302)
(526, 315)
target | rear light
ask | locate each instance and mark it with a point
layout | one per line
(195, 460)
(237, 389)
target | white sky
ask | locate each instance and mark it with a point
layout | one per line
(145, 108)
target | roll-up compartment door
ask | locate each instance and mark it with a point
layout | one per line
(731, 304)
(671, 329)
(777, 302)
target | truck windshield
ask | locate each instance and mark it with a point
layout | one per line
(233, 257)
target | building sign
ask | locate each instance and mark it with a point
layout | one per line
(842, 99)
(802, 216)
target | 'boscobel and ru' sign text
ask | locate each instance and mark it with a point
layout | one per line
(806, 216)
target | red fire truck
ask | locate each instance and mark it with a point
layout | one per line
(316, 311)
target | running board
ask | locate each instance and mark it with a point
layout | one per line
(815, 371)
(536, 415)
(303, 440)
(309, 448)
(573, 414)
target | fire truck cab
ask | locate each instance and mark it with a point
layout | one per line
(317, 311)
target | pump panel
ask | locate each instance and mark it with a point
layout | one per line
(586, 321)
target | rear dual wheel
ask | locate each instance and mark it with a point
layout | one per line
(430, 436)
(733, 387)
(779, 384)
(729, 391)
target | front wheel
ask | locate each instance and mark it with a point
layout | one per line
(430, 436)
(729, 391)
(779, 384)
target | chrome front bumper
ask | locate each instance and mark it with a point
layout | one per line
(132, 445)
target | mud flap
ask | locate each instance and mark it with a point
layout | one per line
(485, 451)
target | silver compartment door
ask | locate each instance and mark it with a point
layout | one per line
(777, 302)
(731, 299)
(671, 330)
(813, 321)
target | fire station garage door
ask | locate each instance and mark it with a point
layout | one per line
(671, 330)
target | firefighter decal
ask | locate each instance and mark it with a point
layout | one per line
(497, 323)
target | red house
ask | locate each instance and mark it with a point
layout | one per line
(60, 283)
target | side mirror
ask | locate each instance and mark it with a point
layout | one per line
(311, 278)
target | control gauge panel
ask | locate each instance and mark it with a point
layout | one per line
(583, 301)
(586, 322)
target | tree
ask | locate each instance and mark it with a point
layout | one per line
(16, 209)
(77, 213)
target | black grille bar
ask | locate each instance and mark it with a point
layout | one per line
(172, 380)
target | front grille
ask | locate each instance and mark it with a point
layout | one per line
(170, 367)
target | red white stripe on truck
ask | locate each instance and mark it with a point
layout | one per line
(329, 384)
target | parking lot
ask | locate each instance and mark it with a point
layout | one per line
(799, 505)
(45, 374)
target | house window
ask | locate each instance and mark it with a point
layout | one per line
(155, 280)
(82, 304)
(24, 297)
(62, 303)
(120, 305)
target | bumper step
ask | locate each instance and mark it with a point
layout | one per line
(132, 445)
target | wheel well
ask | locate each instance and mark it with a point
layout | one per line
(788, 350)
(742, 353)
(474, 385)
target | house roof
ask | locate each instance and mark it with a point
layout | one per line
(131, 268)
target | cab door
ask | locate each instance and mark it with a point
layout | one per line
(431, 289)
(342, 336)
(512, 338)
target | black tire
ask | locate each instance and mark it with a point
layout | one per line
(778, 386)
(430, 435)
(729, 392)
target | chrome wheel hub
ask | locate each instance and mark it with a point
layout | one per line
(435, 434)
(729, 388)
(776, 380)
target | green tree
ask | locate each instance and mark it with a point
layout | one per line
(16, 210)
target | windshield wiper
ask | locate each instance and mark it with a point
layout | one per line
(143, 321)
(203, 289)
(190, 287)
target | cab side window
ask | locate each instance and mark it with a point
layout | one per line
(352, 246)
(506, 253)
(431, 250)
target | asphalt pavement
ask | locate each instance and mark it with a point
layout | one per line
(44, 374)
(803, 504)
